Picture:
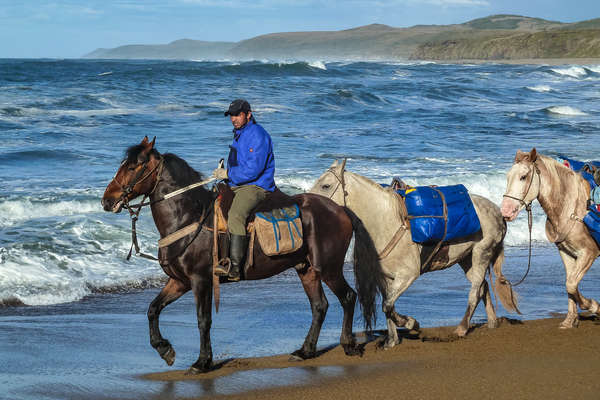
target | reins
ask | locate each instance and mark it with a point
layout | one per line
(535, 170)
(135, 209)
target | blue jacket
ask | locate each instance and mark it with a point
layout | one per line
(251, 160)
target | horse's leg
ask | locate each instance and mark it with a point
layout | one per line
(404, 321)
(395, 288)
(202, 288)
(575, 270)
(173, 290)
(311, 282)
(475, 268)
(347, 297)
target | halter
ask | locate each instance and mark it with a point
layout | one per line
(535, 169)
(340, 181)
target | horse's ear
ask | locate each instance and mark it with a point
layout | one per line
(344, 164)
(334, 164)
(152, 143)
(533, 155)
(520, 156)
(144, 140)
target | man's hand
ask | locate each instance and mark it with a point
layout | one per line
(220, 173)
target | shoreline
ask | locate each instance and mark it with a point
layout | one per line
(524, 61)
(521, 359)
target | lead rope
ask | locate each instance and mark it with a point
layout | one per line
(530, 224)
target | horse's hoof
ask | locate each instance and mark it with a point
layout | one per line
(353, 350)
(193, 371)
(412, 325)
(199, 367)
(569, 324)
(493, 324)
(461, 331)
(169, 356)
(300, 355)
(389, 344)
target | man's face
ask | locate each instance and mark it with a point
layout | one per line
(241, 119)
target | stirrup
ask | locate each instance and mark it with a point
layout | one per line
(223, 268)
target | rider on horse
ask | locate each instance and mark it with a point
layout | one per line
(250, 173)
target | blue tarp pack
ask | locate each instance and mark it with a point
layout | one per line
(425, 208)
(592, 218)
(592, 222)
(577, 166)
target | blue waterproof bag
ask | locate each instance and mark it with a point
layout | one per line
(425, 208)
(592, 222)
(577, 166)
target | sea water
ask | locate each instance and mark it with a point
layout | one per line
(73, 308)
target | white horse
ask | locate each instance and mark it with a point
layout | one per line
(388, 261)
(563, 195)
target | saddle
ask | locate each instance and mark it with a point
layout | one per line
(275, 221)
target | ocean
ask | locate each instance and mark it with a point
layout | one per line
(73, 309)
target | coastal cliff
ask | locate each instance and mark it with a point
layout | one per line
(497, 37)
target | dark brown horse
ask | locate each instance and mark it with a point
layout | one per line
(188, 263)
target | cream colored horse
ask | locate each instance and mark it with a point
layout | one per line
(388, 261)
(563, 195)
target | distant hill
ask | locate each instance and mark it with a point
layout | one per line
(494, 37)
(180, 49)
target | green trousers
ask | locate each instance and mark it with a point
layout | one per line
(246, 198)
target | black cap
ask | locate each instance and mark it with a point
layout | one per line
(238, 106)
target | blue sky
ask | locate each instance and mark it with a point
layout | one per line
(72, 28)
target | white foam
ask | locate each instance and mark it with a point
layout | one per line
(17, 211)
(565, 110)
(595, 68)
(318, 65)
(573, 72)
(540, 88)
(169, 107)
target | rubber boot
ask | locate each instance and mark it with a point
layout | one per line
(237, 252)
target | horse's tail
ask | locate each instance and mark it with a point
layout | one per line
(502, 286)
(369, 277)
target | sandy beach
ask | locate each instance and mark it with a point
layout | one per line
(519, 360)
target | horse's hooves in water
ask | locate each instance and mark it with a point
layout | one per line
(169, 356)
(300, 355)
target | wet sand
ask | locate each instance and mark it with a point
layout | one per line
(532, 61)
(519, 360)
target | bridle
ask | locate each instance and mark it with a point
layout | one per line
(340, 182)
(534, 170)
(139, 177)
(135, 209)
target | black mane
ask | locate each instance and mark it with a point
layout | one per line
(180, 170)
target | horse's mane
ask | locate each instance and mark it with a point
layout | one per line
(180, 170)
(560, 170)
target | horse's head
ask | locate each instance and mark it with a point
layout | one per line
(522, 186)
(331, 184)
(136, 176)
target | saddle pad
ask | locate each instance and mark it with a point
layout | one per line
(425, 208)
(577, 166)
(279, 231)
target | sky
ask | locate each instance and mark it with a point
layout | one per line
(73, 28)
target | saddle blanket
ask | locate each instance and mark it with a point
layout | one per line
(592, 218)
(425, 206)
(279, 231)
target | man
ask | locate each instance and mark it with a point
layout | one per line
(250, 173)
